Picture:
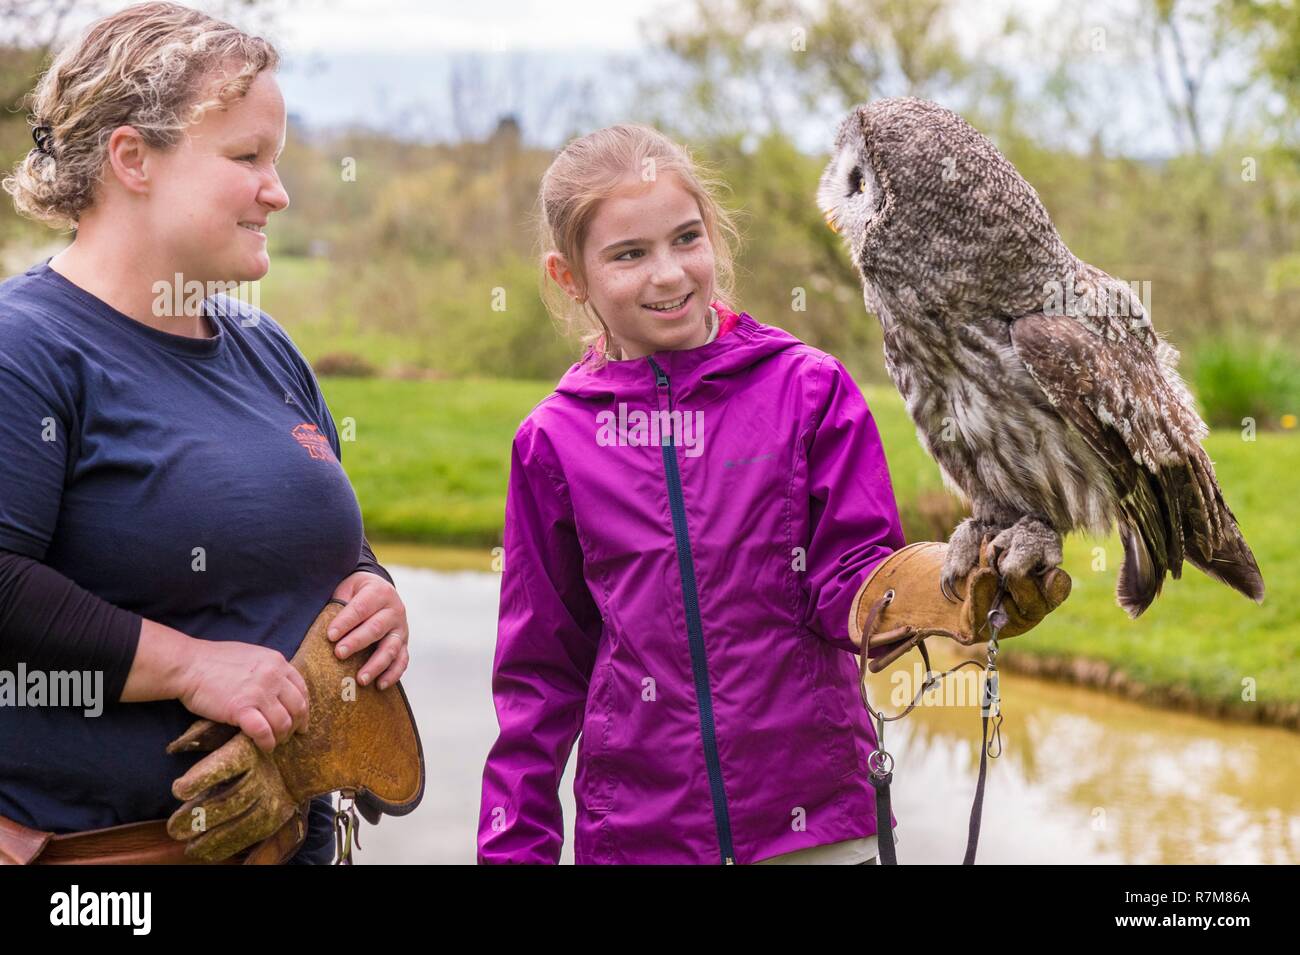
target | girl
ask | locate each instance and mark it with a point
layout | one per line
(173, 514)
(689, 519)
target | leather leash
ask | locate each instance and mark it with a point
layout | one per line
(880, 764)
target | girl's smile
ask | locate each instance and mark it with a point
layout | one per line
(674, 308)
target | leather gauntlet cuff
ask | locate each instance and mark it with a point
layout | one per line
(901, 602)
(903, 591)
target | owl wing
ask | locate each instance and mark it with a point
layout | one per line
(1108, 382)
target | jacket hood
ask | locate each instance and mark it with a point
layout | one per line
(747, 344)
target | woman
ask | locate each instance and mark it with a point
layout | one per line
(173, 514)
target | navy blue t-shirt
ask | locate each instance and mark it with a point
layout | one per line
(195, 482)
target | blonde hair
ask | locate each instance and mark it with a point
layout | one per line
(589, 170)
(146, 67)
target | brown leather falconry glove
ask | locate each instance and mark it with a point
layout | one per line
(359, 739)
(903, 594)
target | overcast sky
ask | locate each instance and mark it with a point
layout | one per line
(416, 25)
(369, 25)
(388, 62)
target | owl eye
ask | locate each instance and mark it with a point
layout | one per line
(856, 183)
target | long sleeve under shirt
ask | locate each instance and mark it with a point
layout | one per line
(195, 482)
(48, 623)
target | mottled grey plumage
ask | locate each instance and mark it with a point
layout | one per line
(1035, 380)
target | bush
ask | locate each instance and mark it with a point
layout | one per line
(343, 365)
(1237, 378)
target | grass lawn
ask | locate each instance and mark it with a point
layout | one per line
(431, 458)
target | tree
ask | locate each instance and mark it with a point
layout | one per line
(753, 66)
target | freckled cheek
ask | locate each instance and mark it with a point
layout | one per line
(700, 266)
(621, 287)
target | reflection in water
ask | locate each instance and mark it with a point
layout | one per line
(1087, 777)
(1083, 777)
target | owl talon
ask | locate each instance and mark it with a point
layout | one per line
(946, 589)
(1025, 548)
(962, 557)
(995, 558)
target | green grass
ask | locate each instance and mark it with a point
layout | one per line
(431, 459)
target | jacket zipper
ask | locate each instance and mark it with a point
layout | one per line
(694, 631)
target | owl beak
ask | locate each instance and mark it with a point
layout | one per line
(830, 222)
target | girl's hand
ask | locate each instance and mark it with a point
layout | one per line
(374, 614)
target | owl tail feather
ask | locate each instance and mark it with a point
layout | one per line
(1233, 563)
(1179, 514)
(1217, 546)
(1153, 543)
(1140, 579)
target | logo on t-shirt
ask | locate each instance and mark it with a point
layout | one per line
(317, 445)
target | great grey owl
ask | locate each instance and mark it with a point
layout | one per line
(1035, 380)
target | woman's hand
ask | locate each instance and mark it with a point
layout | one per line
(252, 687)
(374, 614)
(240, 684)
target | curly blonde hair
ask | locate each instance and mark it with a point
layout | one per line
(591, 169)
(148, 67)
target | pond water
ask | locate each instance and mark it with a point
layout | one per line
(1083, 776)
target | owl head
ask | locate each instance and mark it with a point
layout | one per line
(927, 203)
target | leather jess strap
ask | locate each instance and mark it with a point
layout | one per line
(137, 843)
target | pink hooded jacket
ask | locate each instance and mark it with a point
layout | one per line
(684, 536)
